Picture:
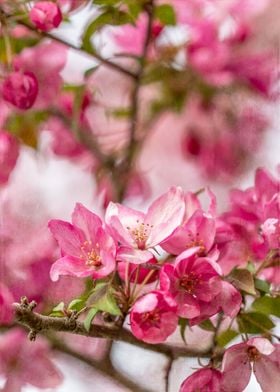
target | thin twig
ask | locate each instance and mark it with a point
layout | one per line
(95, 55)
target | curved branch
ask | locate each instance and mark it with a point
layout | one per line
(38, 323)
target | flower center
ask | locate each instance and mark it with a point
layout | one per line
(253, 354)
(91, 254)
(194, 242)
(140, 233)
(188, 282)
(152, 317)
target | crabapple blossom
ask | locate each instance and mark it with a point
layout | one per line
(9, 151)
(153, 317)
(20, 88)
(87, 248)
(138, 232)
(240, 359)
(191, 280)
(206, 380)
(45, 15)
(6, 298)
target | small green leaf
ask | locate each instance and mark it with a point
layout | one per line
(243, 280)
(165, 14)
(58, 310)
(102, 298)
(254, 322)
(262, 285)
(226, 336)
(90, 316)
(267, 305)
(183, 323)
(77, 304)
(207, 325)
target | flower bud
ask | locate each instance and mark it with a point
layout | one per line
(45, 15)
(20, 89)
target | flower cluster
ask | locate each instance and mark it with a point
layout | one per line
(174, 263)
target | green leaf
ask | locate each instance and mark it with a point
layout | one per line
(183, 323)
(90, 316)
(243, 280)
(267, 305)
(262, 285)
(254, 322)
(102, 298)
(109, 17)
(226, 336)
(165, 14)
(77, 304)
(207, 325)
(58, 310)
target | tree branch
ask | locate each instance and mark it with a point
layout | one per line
(38, 323)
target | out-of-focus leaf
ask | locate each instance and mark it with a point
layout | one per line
(267, 305)
(254, 322)
(90, 316)
(226, 336)
(183, 323)
(243, 280)
(207, 325)
(112, 17)
(262, 285)
(165, 14)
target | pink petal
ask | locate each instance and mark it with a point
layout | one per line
(263, 345)
(72, 266)
(206, 380)
(165, 215)
(69, 238)
(236, 368)
(87, 221)
(267, 374)
(230, 299)
(135, 256)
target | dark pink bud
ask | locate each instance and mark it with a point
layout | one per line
(157, 29)
(20, 89)
(45, 15)
(191, 145)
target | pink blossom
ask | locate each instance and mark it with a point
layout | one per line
(153, 317)
(238, 361)
(198, 231)
(189, 281)
(9, 151)
(46, 60)
(6, 300)
(137, 232)
(271, 232)
(87, 249)
(23, 362)
(206, 380)
(45, 15)
(20, 88)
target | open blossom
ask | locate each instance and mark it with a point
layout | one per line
(20, 88)
(206, 380)
(137, 232)
(23, 362)
(87, 249)
(45, 15)
(153, 317)
(189, 281)
(257, 354)
(9, 151)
